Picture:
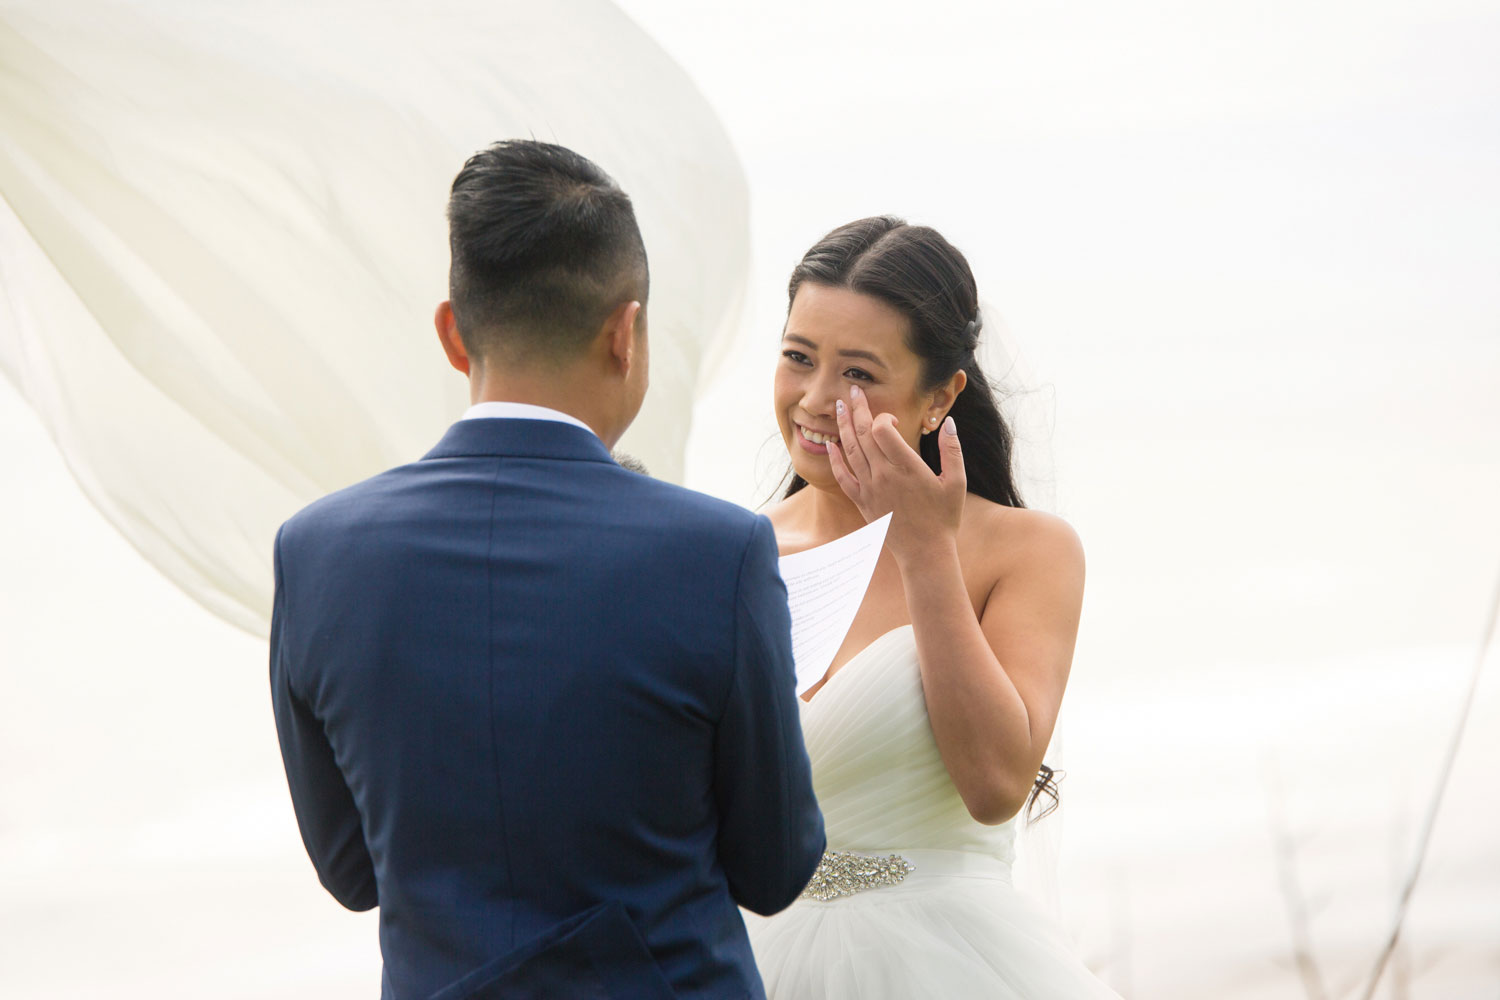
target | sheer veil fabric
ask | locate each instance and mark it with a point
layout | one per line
(222, 238)
(1028, 407)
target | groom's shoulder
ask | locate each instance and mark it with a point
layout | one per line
(691, 516)
(694, 516)
(347, 505)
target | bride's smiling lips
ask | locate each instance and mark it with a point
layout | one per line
(813, 442)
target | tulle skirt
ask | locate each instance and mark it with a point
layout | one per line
(954, 928)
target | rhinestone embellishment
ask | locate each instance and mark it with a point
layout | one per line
(841, 873)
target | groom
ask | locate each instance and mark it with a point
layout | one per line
(537, 708)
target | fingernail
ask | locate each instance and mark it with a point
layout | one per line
(855, 392)
(949, 426)
(838, 407)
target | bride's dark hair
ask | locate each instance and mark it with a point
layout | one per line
(916, 271)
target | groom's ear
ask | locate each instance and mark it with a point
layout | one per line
(620, 329)
(453, 344)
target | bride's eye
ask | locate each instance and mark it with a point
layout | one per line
(859, 373)
(796, 357)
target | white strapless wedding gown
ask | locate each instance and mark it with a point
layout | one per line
(953, 927)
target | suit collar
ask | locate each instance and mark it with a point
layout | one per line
(519, 438)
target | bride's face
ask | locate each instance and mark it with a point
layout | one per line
(834, 339)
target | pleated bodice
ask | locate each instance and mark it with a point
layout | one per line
(954, 927)
(877, 772)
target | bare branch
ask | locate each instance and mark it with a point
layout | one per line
(1430, 820)
(1122, 968)
(1284, 851)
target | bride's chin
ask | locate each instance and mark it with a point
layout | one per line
(816, 474)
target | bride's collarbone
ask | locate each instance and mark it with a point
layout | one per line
(877, 615)
(884, 607)
(987, 535)
(884, 610)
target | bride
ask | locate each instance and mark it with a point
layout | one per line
(927, 732)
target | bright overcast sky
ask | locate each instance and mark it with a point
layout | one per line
(1249, 255)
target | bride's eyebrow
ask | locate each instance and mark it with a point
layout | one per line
(797, 338)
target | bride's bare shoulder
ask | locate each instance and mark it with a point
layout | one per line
(791, 532)
(1018, 540)
(777, 511)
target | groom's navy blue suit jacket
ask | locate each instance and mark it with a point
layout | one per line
(540, 710)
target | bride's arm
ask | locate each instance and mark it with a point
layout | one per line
(994, 683)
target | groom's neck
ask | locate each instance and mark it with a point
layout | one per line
(568, 390)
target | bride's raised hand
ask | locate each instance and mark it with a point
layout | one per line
(882, 474)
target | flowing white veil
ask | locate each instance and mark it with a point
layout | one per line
(1028, 408)
(222, 238)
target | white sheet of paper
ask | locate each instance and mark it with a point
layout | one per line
(824, 587)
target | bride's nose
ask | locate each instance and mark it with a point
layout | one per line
(821, 392)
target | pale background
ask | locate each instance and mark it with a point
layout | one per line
(1251, 257)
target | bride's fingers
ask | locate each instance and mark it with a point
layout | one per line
(855, 459)
(951, 454)
(860, 410)
(892, 447)
(847, 481)
(859, 415)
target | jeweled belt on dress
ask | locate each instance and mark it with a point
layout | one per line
(844, 873)
(841, 873)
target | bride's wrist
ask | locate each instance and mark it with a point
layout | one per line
(922, 558)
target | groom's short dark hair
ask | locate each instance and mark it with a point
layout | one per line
(545, 245)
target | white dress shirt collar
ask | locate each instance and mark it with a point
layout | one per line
(521, 411)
